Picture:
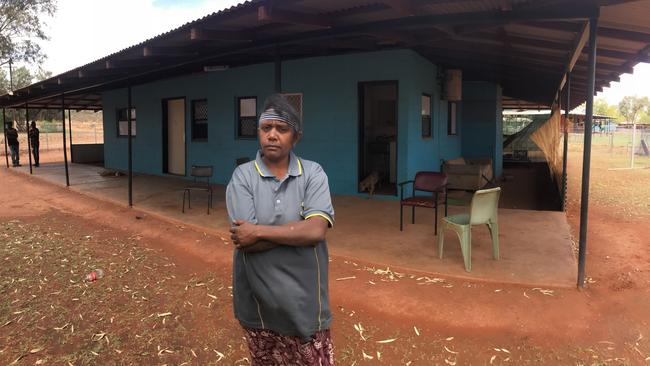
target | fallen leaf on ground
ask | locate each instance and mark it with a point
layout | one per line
(544, 291)
(220, 355)
(450, 351)
(387, 340)
(346, 278)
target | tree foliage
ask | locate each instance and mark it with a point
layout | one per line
(21, 24)
(601, 107)
(20, 78)
(632, 107)
(644, 118)
(23, 77)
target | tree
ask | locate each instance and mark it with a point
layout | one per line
(601, 107)
(631, 107)
(21, 23)
(20, 78)
(42, 74)
(23, 77)
(644, 118)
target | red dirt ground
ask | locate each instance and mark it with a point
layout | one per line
(51, 233)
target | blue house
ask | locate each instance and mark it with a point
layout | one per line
(392, 87)
(362, 112)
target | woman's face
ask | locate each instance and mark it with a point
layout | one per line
(277, 138)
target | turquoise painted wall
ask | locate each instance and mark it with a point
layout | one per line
(330, 110)
(425, 154)
(331, 115)
(481, 123)
(220, 89)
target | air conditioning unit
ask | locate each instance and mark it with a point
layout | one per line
(453, 85)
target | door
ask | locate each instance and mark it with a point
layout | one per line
(378, 134)
(175, 136)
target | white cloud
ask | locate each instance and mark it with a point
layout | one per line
(85, 30)
(637, 83)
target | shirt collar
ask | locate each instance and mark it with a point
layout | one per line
(295, 166)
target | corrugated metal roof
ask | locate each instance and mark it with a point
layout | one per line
(170, 32)
(511, 42)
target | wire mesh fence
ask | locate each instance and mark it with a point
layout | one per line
(617, 145)
(51, 137)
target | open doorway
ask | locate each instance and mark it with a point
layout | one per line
(378, 135)
(527, 182)
(174, 136)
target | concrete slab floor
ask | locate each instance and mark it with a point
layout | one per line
(536, 246)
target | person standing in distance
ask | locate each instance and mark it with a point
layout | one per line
(34, 141)
(280, 208)
(14, 144)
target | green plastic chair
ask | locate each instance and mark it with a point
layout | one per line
(483, 211)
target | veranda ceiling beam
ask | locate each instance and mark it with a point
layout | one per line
(578, 46)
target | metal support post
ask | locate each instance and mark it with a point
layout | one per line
(29, 142)
(586, 158)
(565, 149)
(129, 118)
(65, 148)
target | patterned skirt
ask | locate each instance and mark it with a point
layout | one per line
(269, 348)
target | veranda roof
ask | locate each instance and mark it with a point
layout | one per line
(527, 46)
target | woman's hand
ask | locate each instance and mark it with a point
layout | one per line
(244, 234)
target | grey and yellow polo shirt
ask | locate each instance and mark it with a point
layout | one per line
(283, 289)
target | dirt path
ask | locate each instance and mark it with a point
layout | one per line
(50, 237)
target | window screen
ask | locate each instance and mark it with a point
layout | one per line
(426, 115)
(123, 122)
(247, 117)
(200, 119)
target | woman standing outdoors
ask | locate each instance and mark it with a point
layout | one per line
(280, 208)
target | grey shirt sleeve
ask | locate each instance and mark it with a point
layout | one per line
(239, 197)
(318, 201)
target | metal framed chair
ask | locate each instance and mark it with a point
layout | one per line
(201, 175)
(483, 211)
(433, 182)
